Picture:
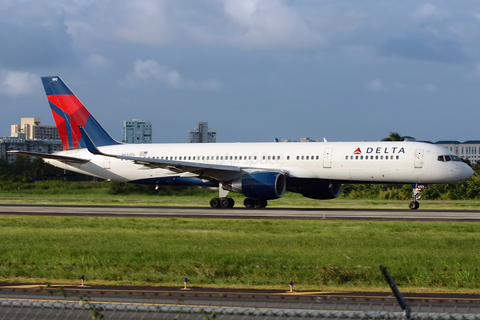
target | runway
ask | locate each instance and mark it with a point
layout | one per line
(248, 298)
(242, 213)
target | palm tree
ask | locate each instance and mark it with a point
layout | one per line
(394, 136)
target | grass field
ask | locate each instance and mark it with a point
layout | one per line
(339, 255)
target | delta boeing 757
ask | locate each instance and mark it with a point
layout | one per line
(260, 171)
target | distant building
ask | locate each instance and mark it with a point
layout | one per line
(33, 145)
(202, 135)
(466, 150)
(31, 128)
(137, 131)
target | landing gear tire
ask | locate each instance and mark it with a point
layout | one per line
(249, 203)
(215, 203)
(261, 203)
(414, 205)
(223, 203)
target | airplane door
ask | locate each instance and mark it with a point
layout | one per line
(418, 158)
(106, 161)
(327, 158)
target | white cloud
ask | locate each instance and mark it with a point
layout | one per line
(269, 23)
(96, 63)
(375, 85)
(151, 70)
(16, 83)
(430, 87)
(143, 22)
(429, 10)
(131, 21)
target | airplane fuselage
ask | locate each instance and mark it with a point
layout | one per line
(344, 162)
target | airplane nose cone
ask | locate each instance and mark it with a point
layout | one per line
(467, 172)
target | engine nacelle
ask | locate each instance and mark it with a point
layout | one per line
(322, 191)
(259, 185)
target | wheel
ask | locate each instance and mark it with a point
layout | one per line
(249, 203)
(260, 203)
(414, 205)
(231, 202)
(215, 203)
(224, 203)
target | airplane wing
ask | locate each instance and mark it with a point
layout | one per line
(50, 156)
(202, 170)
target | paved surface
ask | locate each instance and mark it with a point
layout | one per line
(312, 300)
(241, 213)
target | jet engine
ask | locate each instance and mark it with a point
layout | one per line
(321, 191)
(259, 185)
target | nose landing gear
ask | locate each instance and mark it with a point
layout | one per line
(414, 205)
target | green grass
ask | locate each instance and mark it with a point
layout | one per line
(240, 253)
(113, 193)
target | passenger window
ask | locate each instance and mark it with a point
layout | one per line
(398, 157)
(381, 157)
(376, 157)
(288, 157)
(317, 157)
(302, 157)
(268, 157)
(361, 157)
(346, 157)
(240, 158)
(298, 157)
(356, 157)
(307, 157)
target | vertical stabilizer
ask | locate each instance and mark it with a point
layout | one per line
(69, 113)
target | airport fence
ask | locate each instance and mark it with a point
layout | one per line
(61, 309)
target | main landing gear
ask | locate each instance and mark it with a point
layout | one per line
(414, 205)
(255, 203)
(226, 203)
(223, 203)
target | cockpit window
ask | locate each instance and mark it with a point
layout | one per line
(446, 158)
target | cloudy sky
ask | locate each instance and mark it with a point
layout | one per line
(255, 70)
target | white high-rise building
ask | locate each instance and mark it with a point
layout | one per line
(137, 131)
(202, 135)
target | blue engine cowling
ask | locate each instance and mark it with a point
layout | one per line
(322, 191)
(259, 185)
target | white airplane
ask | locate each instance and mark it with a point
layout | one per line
(261, 171)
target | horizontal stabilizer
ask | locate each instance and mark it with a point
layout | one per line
(49, 156)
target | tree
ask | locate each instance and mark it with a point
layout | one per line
(394, 136)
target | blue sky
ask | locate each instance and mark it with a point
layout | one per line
(255, 70)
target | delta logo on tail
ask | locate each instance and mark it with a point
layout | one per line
(69, 113)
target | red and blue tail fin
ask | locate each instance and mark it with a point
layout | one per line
(69, 113)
